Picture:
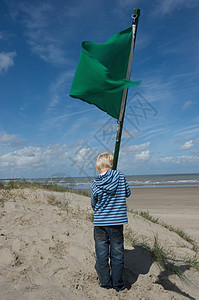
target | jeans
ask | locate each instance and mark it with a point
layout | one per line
(109, 242)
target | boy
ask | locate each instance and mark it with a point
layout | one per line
(108, 200)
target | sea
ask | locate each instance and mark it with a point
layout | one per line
(134, 181)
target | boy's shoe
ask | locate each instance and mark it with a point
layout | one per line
(119, 288)
(105, 287)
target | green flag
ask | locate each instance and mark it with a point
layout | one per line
(100, 75)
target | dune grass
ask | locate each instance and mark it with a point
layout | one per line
(178, 231)
(22, 184)
(164, 259)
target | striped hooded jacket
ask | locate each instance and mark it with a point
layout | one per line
(108, 198)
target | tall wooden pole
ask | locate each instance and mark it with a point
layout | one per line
(135, 16)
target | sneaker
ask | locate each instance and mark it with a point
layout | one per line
(105, 287)
(119, 288)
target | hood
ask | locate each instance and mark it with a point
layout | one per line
(108, 182)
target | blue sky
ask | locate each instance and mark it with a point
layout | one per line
(44, 132)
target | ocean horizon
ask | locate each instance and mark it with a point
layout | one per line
(134, 181)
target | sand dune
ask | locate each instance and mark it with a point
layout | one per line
(47, 252)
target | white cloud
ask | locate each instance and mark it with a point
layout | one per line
(58, 87)
(7, 138)
(179, 159)
(41, 31)
(189, 130)
(151, 133)
(21, 158)
(31, 157)
(6, 60)
(143, 155)
(137, 153)
(11, 140)
(87, 156)
(82, 153)
(155, 88)
(188, 145)
(139, 147)
(187, 104)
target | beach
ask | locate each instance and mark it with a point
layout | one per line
(47, 248)
(177, 206)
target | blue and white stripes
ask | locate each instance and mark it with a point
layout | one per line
(108, 199)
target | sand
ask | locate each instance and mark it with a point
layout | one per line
(177, 206)
(47, 248)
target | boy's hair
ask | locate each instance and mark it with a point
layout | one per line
(104, 160)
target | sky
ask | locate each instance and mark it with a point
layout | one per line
(45, 133)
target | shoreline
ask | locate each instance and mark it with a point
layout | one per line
(134, 181)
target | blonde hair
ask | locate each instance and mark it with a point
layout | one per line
(104, 160)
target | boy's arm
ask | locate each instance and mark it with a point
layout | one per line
(93, 198)
(128, 191)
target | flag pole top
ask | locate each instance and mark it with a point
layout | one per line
(135, 15)
(136, 11)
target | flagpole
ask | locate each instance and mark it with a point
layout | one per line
(135, 16)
